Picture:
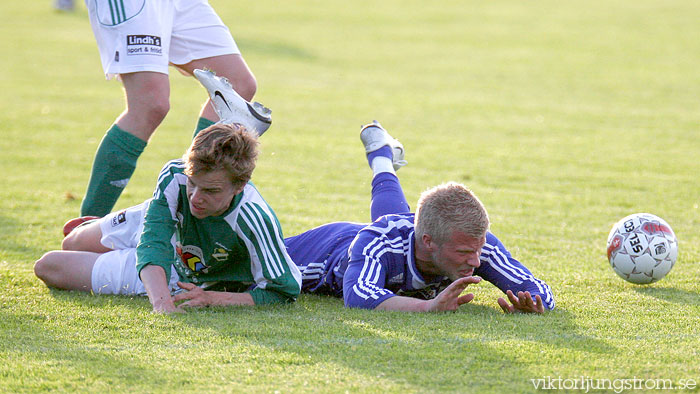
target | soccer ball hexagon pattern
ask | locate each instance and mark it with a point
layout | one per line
(642, 248)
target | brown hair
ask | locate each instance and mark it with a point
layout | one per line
(230, 147)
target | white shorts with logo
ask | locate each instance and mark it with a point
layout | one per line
(115, 272)
(147, 35)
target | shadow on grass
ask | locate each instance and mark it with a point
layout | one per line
(51, 352)
(85, 299)
(424, 352)
(670, 294)
(421, 351)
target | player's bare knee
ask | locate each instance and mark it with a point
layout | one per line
(247, 87)
(157, 110)
(148, 111)
(45, 267)
(70, 242)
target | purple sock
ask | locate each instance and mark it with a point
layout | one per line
(383, 151)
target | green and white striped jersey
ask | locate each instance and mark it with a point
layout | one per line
(240, 250)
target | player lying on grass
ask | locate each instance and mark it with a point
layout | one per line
(412, 262)
(206, 225)
(402, 261)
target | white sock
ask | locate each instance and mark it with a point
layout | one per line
(382, 164)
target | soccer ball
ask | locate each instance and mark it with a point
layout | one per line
(642, 248)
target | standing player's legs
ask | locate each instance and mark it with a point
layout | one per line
(232, 67)
(133, 45)
(147, 103)
(385, 155)
(200, 40)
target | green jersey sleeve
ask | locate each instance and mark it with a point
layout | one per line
(277, 278)
(265, 297)
(155, 245)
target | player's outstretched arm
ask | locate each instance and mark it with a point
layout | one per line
(153, 278)
(522, 303)
(196, 297)
(448, 299)
(499, 267)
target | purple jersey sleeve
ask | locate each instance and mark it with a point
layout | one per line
(507, 273)
(372, 259)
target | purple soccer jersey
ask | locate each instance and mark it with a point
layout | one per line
(368, 264)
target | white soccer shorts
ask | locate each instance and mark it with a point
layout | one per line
(147, 35)
(115, 272)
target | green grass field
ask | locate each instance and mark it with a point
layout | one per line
(562, 116)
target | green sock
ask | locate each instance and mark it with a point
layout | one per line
(115, 162)
(202, 124)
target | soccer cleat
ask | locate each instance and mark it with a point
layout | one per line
(374, 136)
(230, 106)
(77, 222)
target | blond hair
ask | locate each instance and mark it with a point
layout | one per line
(229, 147)
(447, 208)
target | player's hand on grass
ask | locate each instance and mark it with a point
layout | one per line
(522, 303)
(153, 278)
(194, 297)
(450, 298)
(167, 306)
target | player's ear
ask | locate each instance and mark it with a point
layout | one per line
(238, 189)
(428, 242)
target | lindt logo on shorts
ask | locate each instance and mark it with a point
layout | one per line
(143, 40)
(143, 45)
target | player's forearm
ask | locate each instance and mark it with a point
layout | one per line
(153, 278)
(405, 304)
(154, 244)
(220, 298)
